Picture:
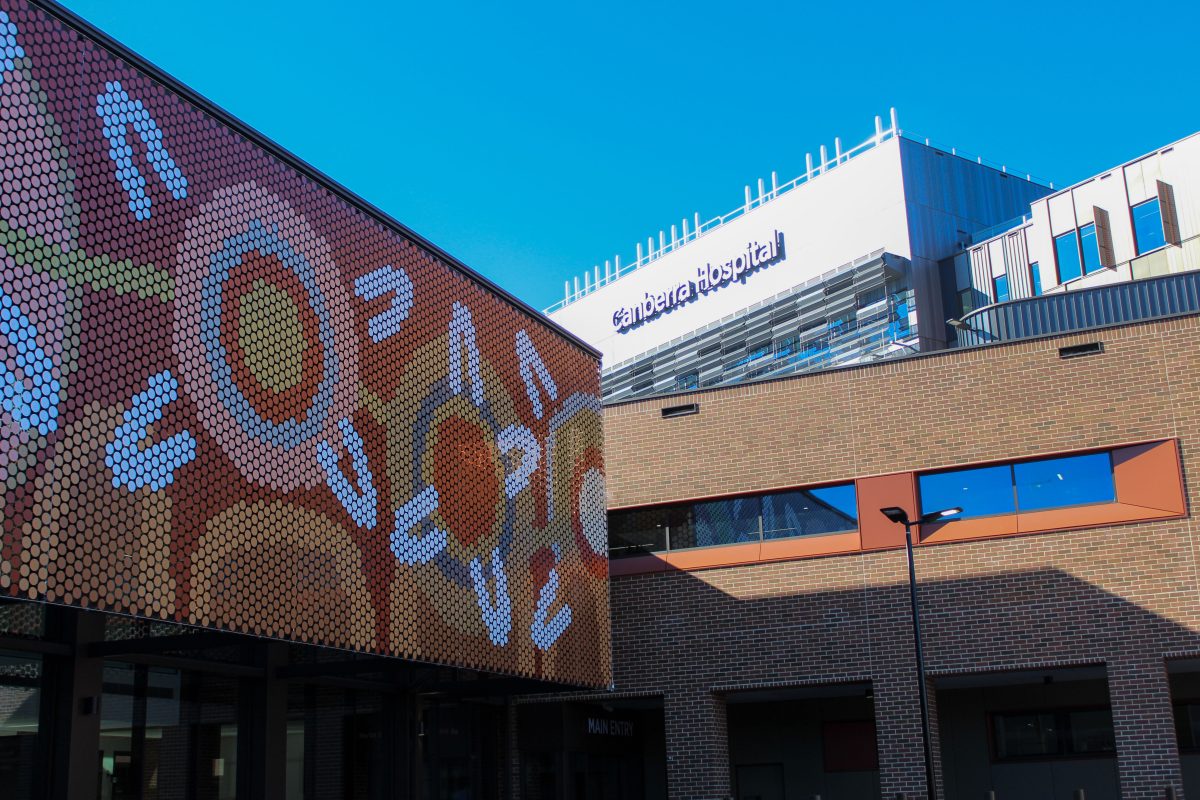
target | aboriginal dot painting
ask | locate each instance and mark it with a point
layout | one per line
(234, 398)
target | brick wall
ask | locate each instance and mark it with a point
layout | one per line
(1123, 596)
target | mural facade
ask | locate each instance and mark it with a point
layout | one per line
(234, 398)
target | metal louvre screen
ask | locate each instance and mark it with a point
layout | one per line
(232, 397)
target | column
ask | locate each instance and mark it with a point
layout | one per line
(1144, 724)
(697, 746)
(75, 685)
(262, 728)
(898, 733)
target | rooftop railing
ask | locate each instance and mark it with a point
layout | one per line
(670, 240)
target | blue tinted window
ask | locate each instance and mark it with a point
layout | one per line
(1069, 481)
(979, 492)
(1001, 284)
(810, 512)
(1035, 278)
(1066, 250)
(1148, 227)
(1091, 248)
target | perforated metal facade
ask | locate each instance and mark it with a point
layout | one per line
(238, 398)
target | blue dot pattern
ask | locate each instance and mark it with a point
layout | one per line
(118, 110)
(31, 393)
(155, 465)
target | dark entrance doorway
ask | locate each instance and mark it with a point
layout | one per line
(593, 751)
(800, 742)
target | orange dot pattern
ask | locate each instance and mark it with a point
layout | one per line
(232, 397)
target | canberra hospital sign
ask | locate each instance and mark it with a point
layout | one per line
(709, 278)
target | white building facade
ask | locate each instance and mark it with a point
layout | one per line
(1136, 221)
(838, 266)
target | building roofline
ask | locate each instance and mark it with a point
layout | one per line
(259, 139)
(903, 357)
(766, 195)
(1027, 219)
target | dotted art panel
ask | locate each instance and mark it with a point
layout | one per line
(229, 397)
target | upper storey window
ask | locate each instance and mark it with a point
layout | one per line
(815, 511)
(1148, 226)
(1035, 485)
(1090, 248)
(1066, 252)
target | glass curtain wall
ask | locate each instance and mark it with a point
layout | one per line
(166, 733)
(20, 707)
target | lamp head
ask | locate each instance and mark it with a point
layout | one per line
(959, 325)
(934, 516)
(901, 516)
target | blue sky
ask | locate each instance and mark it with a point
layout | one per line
(533, 140)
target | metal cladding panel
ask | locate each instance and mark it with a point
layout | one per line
(238, 398)
(1117, 303)
(812, 328)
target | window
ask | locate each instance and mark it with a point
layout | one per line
(20, 696)
(870, 297)
(633, 533)
(1000, 285)
(1148, 226)
(1053, 733)
(979, 491)
(966, 299)
(780, 515)
(1022, 486)
(1090, 246)
(687, 381)
(1066, 252)
(1061, 482)
(1035, 279)
(1187, 725)
(725, 522)
(810, 512)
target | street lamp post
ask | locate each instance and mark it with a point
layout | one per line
(901, 516)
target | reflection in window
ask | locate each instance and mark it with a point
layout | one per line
(1035, 279)
(1022, 486)
(726, 521)
(811, 512)
(1000, 284)
(632, 533)
(801, 512)
(1066, 251)
(163, 729)
(1024, 735)
(1086, 732)
(687, 381)
(1090, 247)
(1148, 226)
(20, 695)
(1187, 725)
(1061, 482)
(979, 491)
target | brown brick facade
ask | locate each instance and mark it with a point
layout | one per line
(1122, 596)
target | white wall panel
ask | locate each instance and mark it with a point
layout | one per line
(852, 210)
